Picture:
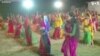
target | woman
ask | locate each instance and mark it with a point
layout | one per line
(87, 30)
(28, 32)
(22, 30)
(72, 36)
(45, 46)
(34, 28)
(65, 46)
(17, 29)
(58, 24)
(10, 28)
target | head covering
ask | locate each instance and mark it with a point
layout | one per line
(47, 22)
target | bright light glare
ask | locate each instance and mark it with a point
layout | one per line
(27, 4)
(95, 3)
(98, 3)
(92, 3)
(58, 4)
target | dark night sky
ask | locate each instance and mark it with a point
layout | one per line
(40, 5)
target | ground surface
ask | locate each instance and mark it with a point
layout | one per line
(9, 47)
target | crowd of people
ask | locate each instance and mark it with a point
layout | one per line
(66, 26)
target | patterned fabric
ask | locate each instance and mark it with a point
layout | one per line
(10, 27)
(56, 34)
(47, 23)
(45, 46)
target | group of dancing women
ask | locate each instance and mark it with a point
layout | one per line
(66, 26)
